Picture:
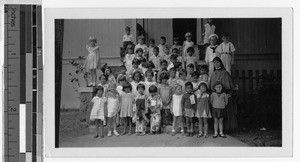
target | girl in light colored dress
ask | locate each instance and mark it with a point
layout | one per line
(176, 109)
(137, 79)
(154, 105)
(140, 104)
(127, 100)
(111, 77)
(92, 60)
(113, 108)
(98, 111)
(128, 59)
(186, 44)
(203, 110)
(226, 49)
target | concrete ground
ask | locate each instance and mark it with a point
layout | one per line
(161, 140)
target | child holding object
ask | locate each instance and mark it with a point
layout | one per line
(92, 60)
(98, 111)
(188, 103)
(176, 109)
(113, 108)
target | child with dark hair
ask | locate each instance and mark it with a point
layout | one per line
(195, 81)
(149, 81)
(203, 109)
(165, 92)
(182, 79)
(127, 38)
(191, 58)
(162, 45)
(166, 55)
(176, 46)
(154, 105)
(173, 59)
(140, 103)
(111, 77)
(137, 78)
(172, 80)
(156, 58)
(150, 48)
(203, 77)
(186, 44)
(135, 67)
(98, 111)
(142, 46)
(103, 83)
(190, 70)
(188, 103)
(126, 103)
(163, 68)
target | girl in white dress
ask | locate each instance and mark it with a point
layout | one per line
(176, 110)
(128, 59)
(186, 44)
(92, 60)
(98, 113)
(113, 107)
(226, 49)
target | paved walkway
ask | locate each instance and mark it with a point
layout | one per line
(162, 140)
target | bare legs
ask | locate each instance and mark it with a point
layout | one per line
(203, 121)
(93, 76)
(127, 120)
(218, 124)
(98, 123)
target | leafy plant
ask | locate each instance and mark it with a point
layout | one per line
(79, 72)
(263, 106)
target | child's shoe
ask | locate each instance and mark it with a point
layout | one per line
(200, 135)
(96, 136)
(109, 134)
(191, 134)
(215, 135)
(182, 132)
(142, 134)
(90, 85)
(205, 136)
(222, 135)
(116, 133)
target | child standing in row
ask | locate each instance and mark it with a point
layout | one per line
(149, 80)
(113, 108)
(155, 105)
(127, 100)
(218, 100)
(191, 58)
(186, 44)
(203, 109)
(188, 103)
(211, 52)
(162, 45)
(176, 109)
(209, 29)
(165, 92)
(92, 60)
(226, 49)
(98, 111)
(176, 46)
(103, 83)
(142, 46)
(156, 58)
(150, 48)
(137, 79)
(127, 38)
(128, 59)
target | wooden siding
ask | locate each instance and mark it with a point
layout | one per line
(109, 33)
(253, 35)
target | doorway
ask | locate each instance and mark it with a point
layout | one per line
(182, 26)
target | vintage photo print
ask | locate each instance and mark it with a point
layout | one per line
(167, 82)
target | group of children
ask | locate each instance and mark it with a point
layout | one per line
(155, 88)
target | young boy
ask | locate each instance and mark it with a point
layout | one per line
(156, 58)
(142, 46)
(162, 45)
(173, 59)
(163, 67)
(151, 48)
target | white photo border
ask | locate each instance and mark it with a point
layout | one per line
(50, 14)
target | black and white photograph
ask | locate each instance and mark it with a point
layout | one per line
(162, 82)
(180, 82)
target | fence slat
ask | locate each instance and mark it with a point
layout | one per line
(250, 75)
(256, 77)
(244, 84)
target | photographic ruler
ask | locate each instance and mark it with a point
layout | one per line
(23, 81)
